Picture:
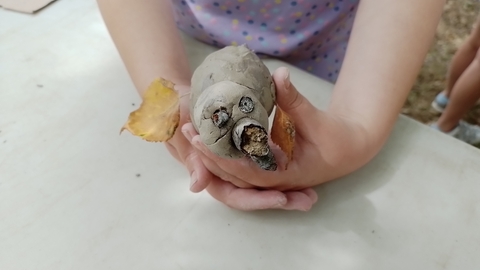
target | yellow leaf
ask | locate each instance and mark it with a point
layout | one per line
(159, 114)
(283, 133)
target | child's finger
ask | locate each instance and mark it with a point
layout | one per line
(253, 199)
(310, 192)
(245, 199)
(298, 200)
(200, 176)
(189, 131)
(293, 102)
(244, 168)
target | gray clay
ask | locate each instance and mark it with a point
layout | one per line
(231, 84)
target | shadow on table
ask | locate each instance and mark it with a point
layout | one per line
(343, 204)
(340, 231)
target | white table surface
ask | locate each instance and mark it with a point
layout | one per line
(70, 197)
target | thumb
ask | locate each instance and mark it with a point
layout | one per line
(293, 102)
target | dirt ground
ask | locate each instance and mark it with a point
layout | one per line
(457, 21)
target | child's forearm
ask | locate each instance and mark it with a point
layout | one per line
(147, 39)
(388, 45)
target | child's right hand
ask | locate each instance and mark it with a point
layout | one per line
(244, 197)
(329, 145)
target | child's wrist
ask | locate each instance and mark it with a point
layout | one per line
(357, 144)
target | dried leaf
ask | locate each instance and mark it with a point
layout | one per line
(159, 114)
(283, 133)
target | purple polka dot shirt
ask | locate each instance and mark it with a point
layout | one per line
(309, 34)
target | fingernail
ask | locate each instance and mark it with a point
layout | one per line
(187, 134)
(282, 201)
(196, 143)
(193, 179)
(286, 81)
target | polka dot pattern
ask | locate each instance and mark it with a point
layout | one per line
(312, 35)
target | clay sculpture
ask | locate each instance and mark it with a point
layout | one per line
(232, 97)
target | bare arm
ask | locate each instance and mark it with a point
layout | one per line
(147, 39)
(150, 46)
(388, 45)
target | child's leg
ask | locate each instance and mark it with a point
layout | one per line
(465, 94)
(462, 58)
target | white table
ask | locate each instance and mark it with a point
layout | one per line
(76, 195)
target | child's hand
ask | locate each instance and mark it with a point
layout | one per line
(327, 146)
(231, 195)
(182, 150)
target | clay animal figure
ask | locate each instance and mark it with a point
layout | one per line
(232, 97)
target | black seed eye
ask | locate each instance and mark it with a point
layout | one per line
(246, 105)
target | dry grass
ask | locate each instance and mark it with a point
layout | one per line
(457, 21)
